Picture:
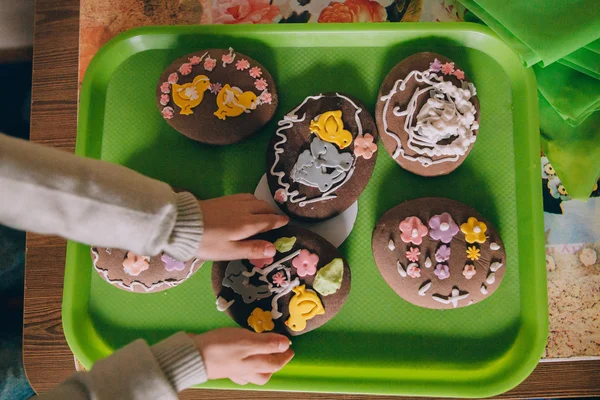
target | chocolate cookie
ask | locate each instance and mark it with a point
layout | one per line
(438, 253)
(142, 274)
(427, 114)
(216, 96)
(298, 290)
(321, 157)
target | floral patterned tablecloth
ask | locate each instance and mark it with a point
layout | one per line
(572, 227)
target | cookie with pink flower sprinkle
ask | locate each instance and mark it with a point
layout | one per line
(138, 273)
(438, 253)
(322, 156)
(307, 270)
(427, 113)
(216, 96)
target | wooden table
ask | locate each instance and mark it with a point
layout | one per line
(47, 357)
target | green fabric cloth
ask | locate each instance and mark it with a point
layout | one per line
(585, 60)
(541, 30)
(573, 151)
(572, 94)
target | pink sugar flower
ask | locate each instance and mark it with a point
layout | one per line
(413, 230)
(261, 84)
(279, 279)
(448, 68)
(165, 87)
(134, 265)
(255, 72)
(185, 69)
(280, 196)
(167, 112)
(164, 99)
(209, 63)
(459, 74)
(305, 263)
(413, 254)
(266, 98)
(195, 60)
(413, 271)
(173, 78)
(364, 146)
(242, 65)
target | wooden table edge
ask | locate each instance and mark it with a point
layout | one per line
(46, 356)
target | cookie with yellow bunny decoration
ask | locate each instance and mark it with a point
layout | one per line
(298, 290)
(322, 156)
(216, 96)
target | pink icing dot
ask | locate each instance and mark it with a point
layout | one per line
(266, 98)
(167, 112)
(255, 72)
(173, 78)
(280, 196)
(209, 63)
(242, 65)
(165, 87)
(261, 84)
(164, 99)
(185, 69)
(195, 60)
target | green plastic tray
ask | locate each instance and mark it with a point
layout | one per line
(378, 343)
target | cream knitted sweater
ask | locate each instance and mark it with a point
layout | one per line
(48, 191)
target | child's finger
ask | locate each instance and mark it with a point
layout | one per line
(269, 363)
(267, 222)
(243, 196)
(261, 207)
(251, 249)
(239, 381)
(259, 223)
(259, 379)
(266, 343)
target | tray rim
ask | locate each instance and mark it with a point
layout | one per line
(533, 332)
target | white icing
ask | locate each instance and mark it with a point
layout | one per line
(447, 116)
(288, 122)
(191, 93)
(491, 278)
(444, 226)
(453, 298)
(484, 289)
(494, 246)
(133, 284)
(266, 270)
(222, 304)
(274, 305)
(391, 245)
(428, 262)
(424, 288)
(477, 229)
(401, 270)
(470, 302)
(495, 266)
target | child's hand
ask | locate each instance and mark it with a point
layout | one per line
(229, 220)
(243, 356)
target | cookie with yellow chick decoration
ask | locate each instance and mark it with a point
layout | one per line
(322, 156)
(216, 96)
(298, 290)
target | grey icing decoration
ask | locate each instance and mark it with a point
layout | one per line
(240, 283)
(322, 166)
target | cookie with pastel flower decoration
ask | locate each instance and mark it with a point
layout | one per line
(298, 290)
(322, 156)
(141, 274)
(438, 253)
(216, 96)
(427, 114)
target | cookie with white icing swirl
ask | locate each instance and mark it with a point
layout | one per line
(427, 113)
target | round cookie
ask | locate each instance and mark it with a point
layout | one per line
(427, 114)
(438, 253)
(298, 290)
(321, 157)
(141, 274)
(216, 96)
